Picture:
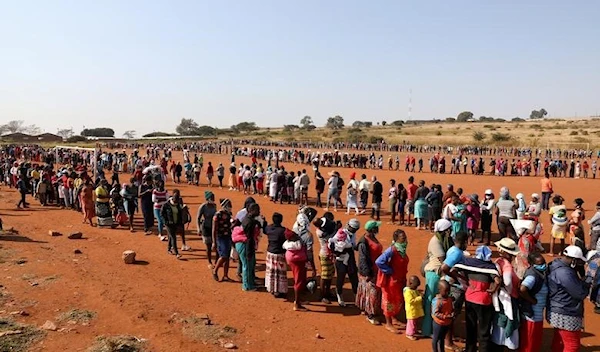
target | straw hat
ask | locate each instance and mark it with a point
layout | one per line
(507, 245)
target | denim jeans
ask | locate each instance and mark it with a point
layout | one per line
(439, 334)
(160, 221)
(546, 200)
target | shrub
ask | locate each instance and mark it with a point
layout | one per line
(573, 133)
(76, 139)
(438, 133)
(479, 136)
(488, 126)
(501, 137)
(535, 126)
(585, 133)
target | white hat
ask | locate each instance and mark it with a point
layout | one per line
(507, 245)
(489, 191)
(442, 225)
(574, 252)
(535, 195)
(519, 225)
(520, 196)
(590, 254)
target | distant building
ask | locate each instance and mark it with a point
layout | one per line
(26, 138)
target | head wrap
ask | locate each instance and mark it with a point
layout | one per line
(442, 225)
(208, 195)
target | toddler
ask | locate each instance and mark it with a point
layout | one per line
(414, 307)
(442, 312)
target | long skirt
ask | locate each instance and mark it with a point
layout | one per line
(104, 215)
(276, 273)
(327, 267)
(368, 297)
(352, 200)
(248, 263)
(232, 181)
(392, 299)
(272, 189)
(299, 272)
(421, 209)
(431, 282)
(88, 209)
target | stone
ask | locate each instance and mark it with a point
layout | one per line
(54, 233)
(77, 251)
(20, 312)
(318, 336)
(75, 236)
(229, 346)
(129, 257)
(50, 326)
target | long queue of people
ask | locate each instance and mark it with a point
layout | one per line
(505, 301)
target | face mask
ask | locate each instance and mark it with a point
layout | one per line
(540, 267)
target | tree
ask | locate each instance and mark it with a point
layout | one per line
(383, 123)
(336, 122)
(206, 131)
(464, 116)
(187, 127)
(450, 119)
(245, 126)
(130, 134)
(65, 133)
(305, 122)
(18, 126)
(398, 123)
(359, 124)
(517, 119)
(479, 136)
(289, 128)
(98, 132)
(538, 114)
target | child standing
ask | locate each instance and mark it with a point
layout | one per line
(442, 314)
(414, 307)
(558, 216)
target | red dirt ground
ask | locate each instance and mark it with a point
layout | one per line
(140, 300)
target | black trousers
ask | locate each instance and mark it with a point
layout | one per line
(341, 272)
(479, 324)
(172, 231)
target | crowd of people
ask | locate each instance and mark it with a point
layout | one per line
(505, 300)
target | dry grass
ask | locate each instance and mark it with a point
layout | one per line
(79, 316)
(118, 344)
(17, 337)
(202, 329)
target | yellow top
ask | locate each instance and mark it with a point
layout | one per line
(102, 195)
(413, 303)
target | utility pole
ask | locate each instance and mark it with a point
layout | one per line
(409, 105)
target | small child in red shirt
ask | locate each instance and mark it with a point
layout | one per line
(442, 312)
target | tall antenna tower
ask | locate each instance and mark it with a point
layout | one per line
(409, 105)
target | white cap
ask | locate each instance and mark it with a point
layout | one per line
(488, 191)
(442, 225)
(520, 195)
(574, 252)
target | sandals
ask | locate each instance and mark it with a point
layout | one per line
(215, 276)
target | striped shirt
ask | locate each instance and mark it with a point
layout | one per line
(541, 297)
(159, 198)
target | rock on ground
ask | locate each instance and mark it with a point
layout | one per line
(54, 233)
(50, 326)
(75, 236)
(129, 257)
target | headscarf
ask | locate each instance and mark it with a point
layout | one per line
(209, 195)
(504, 193)
(440, 227)
(301, 225)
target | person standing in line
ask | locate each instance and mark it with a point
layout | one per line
(442, 314)
(159, 198)
(547, 191)
(221, 239)
(364, 187)
(594, 223)
(172, 213)
(332, 190)
(377, 191)
(534, 295)
(352, 195)
(204, 225)
(145, 194)
(393, 200)
(368, 298)
(23, 190)
(220, 174)
(566, 292)
(319, 187)
(411, 192)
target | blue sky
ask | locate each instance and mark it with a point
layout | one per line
(143, 65)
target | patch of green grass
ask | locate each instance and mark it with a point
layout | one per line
(18, 342)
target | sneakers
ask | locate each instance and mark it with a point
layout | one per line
(373, 321)
(341, 301)
(186, 248)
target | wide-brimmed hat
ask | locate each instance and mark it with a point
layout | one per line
(507, 245)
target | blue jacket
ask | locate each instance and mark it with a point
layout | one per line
(566, 292)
